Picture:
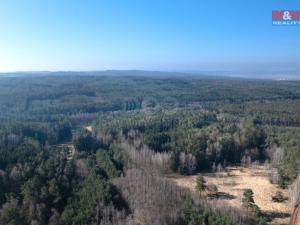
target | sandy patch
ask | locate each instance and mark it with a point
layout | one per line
(232, 183)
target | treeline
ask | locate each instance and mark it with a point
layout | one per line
(280, 122)
(287, 156)
(193, 139)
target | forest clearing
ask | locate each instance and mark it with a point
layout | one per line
(235, 180)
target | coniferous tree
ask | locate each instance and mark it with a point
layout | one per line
(200, 183)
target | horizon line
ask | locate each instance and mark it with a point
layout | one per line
(220, 74)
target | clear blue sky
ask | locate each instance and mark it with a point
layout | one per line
(173, 35)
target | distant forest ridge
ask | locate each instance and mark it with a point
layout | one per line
(282, 75)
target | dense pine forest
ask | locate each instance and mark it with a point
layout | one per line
(97, 149)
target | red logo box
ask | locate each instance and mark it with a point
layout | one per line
(286, 15)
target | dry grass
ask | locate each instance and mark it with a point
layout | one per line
(235, 180)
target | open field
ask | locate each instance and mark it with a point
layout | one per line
(235, 180)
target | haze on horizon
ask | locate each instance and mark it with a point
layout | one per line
(236, 36)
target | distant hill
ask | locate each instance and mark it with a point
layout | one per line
(204, 74)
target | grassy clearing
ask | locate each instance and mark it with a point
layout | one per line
(232, 183)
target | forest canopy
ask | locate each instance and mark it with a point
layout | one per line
(53, 170)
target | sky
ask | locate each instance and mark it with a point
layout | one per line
(166, 35)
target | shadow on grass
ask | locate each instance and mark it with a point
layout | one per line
(270, 215)
(225, 196)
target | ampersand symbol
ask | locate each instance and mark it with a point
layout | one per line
(286, 15)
